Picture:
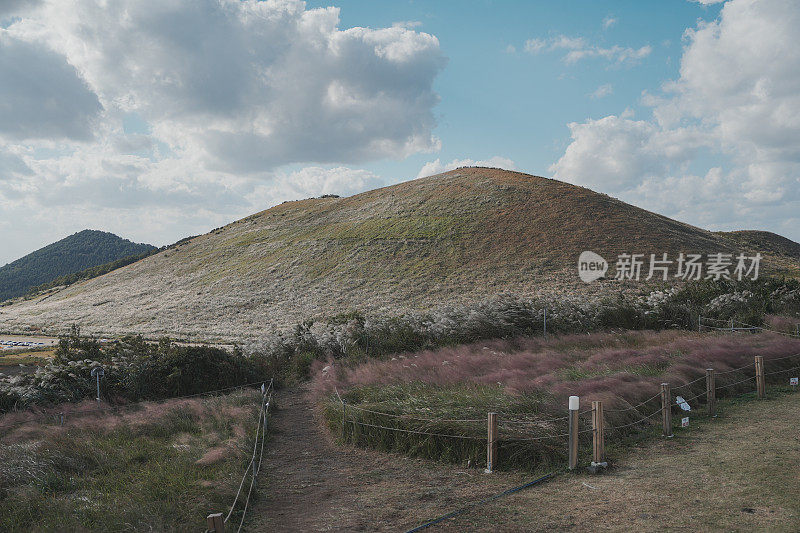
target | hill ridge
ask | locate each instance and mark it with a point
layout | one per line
(450, 238)
(82, 250)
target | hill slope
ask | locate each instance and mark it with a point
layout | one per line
(457, 236)
(83, 250)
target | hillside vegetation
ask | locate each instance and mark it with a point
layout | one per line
(452, 238)
(76, 253)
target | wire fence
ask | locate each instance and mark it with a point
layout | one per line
(253, 466)
(639, 416)
(733, 326)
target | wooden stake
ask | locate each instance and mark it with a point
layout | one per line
(598, 437)
(215, 523)
(760, 385)
(666, 409)
(711, 393)
(491, 442)
(344, 422)
(574, 405)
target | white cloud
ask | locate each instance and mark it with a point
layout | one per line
(608, 22)
(737, 101)
(534, 46)
(251, 85)
(577, 48)
(602, 91)
(437, 167)
(511, 49)
(230, 93)
(41, 95)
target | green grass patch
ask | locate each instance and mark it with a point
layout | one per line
(159, 469)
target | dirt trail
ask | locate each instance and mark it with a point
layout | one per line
(736, 472)
(314, 485)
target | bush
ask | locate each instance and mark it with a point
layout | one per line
(359, 337)
(134, 370)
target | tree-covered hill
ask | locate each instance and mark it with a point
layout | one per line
(78, 252)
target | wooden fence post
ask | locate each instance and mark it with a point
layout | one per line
(711, 393)
(666, 409)
(491, 442)
(760, 385)
(574, 405)
(215, 523)
(598, 437)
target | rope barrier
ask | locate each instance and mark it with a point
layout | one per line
(635, 407)
(407, 417)
(648, 417)
(736, 383)
(252, 466)
(415, 431)
(782, 371)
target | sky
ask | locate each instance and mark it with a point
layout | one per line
(160, 119)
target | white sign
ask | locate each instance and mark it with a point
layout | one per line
(793, 381)
(685, 422)
(684, 405)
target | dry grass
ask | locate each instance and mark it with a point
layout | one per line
(530, 379)
(737, 472)
(453, 238)
(152, 466)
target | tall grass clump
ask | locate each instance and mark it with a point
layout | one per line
(151, 467)
(358, 337)
(435, 396)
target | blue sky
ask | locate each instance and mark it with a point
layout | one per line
(517, 105)
(160, 119)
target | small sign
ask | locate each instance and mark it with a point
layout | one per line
(683, 403)
(98, 372)
(793, 381)
(685, 422)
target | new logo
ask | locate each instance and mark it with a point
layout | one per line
(591, 267)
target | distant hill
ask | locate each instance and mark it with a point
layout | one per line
(450, 238)
(83, 250)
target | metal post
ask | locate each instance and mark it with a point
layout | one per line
(666, 409)
(545, 323)
(98, 387)
(574, 405)
(731, 325)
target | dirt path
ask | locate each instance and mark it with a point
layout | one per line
(739, 472)
(314, 485)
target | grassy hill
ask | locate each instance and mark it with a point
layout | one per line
(81, 251)
(453, 237)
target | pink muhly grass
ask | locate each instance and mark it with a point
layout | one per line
(625, 368)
